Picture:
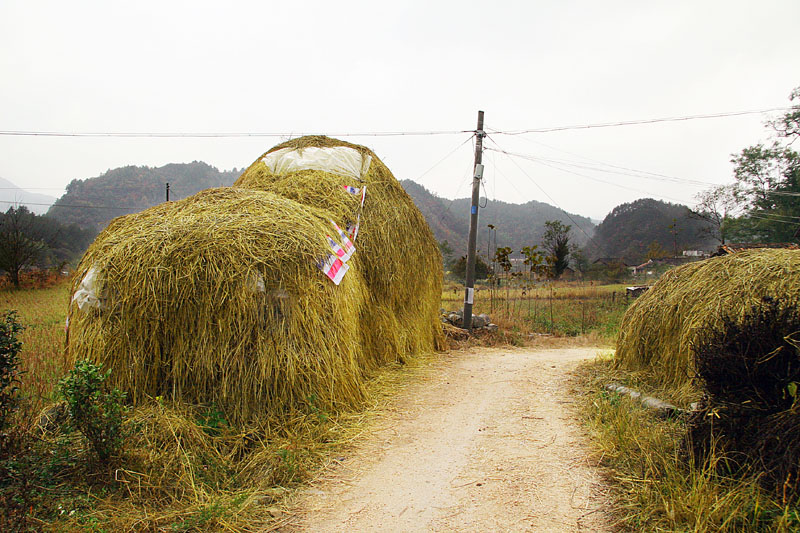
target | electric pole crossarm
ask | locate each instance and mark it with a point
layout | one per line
(477, 175)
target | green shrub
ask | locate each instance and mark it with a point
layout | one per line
(212, 420)
(96, 412)
(10, 347)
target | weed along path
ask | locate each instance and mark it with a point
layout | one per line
(485, 440)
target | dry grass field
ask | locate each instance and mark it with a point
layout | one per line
(43, 313)
(555, 308)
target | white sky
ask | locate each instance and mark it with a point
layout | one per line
(339, 67)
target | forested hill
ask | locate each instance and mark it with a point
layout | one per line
(630, 230)
(518, 225)
(93, 202)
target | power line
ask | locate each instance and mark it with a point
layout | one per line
(793, 222)
(554, 202)
(631, 172)
(648, 193)
(442, 160)
(464, 181)
(72, 206)
(638, 172)
(205, 135)
(32, 189)
(642, 121)
(137, 134)
(778, 215)
(782, 193)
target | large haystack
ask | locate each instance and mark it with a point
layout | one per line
(221, 298)
(661, 329)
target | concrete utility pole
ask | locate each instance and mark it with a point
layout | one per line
(473, 224)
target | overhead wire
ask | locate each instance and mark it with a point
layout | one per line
(71, 206)
(628, 171)
(556, 164)
(211, 135)
(464, 180)
(642, 121)
(793, 222)
(648, 193)
(553, 200)
(31, 189)
(134, 134)
(778, 215)
(532, 141)
(442, 160)
(784, 193)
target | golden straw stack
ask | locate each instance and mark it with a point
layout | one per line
(659, 330)
(217, 298)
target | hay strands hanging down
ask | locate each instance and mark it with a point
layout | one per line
(218, 298)
(661, 328)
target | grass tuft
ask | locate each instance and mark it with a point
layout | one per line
(654, 488)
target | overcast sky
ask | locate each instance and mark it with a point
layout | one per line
(411, 66)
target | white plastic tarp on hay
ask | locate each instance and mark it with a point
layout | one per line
(339, 160)
(88, 293)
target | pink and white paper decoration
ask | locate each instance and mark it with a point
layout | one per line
(334, 268)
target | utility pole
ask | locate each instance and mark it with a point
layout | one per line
(473, 224)
(673, 228)
(168, 191)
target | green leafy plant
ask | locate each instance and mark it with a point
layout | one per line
(317, 411)
(208, 515)
(288, 461)
(10, 347)
(212, 420)
(95, 411)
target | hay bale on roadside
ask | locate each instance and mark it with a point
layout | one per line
(220, 298)
(660, 330)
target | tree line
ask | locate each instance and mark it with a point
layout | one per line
(763, 203)
(28, 240)
(551, 261)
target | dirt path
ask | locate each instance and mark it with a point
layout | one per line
(484, 442)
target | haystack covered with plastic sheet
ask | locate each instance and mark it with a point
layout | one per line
(660, 330)
(312, 270)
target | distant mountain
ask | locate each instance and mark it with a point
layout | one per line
(93, 202)
(517, 225)
(631, 228)
(11, 194)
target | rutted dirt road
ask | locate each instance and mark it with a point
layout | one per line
(485, 441)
